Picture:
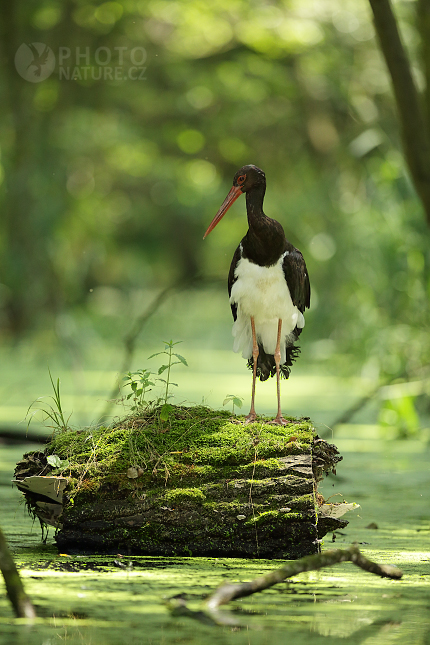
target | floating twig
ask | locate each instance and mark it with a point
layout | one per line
(228, 591)
(211, 613)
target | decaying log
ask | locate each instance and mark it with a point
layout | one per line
(230, 490)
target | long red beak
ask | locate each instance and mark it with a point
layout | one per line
(234, 193)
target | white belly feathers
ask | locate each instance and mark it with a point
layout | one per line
(262, 292)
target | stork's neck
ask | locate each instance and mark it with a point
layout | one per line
(265, 240)
(254, 205)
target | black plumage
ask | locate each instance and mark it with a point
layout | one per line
(263, 265)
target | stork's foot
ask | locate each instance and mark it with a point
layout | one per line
(251, 417)
(279, 421)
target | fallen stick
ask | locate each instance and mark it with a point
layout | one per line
(21, 603)
(228, 591)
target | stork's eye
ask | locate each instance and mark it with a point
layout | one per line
(241, 179)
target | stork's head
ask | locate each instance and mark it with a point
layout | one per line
(247, 178)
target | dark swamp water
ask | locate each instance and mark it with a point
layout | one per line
(95, 600)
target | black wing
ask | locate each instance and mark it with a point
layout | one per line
(232, 278)
(296, 275)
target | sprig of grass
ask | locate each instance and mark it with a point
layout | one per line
(53, 412)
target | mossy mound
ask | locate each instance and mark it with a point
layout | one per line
(200, 483)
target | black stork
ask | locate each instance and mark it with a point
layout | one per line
(268, 285)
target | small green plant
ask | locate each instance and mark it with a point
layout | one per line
(53, 412)
(171, 355)
(56, 462)
(235, 400)
(140, 383)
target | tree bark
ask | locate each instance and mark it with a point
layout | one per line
(423, 27)
(413, 126)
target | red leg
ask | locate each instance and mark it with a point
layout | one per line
(279, 420)
(252, 416)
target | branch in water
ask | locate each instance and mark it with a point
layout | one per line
(21, 603)
(228, 592)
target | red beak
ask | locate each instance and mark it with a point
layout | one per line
(234, 193)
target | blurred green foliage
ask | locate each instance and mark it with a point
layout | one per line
(110, 178)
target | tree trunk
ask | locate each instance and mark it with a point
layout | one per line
(413, 124)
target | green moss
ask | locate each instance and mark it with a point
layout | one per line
(260, 468)
(273, 518)
(304, 502)
(202, 478)
(198, 445)
(181, 495)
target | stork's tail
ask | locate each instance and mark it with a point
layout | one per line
(266, 365)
